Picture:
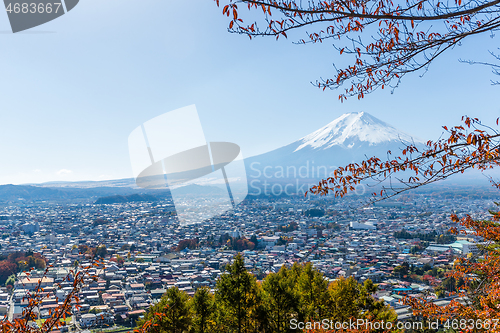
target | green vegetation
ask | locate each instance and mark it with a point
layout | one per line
(101, 251)
(242, 304)
(172, 314)
(429, 237)
(11, 280)
(314, 212)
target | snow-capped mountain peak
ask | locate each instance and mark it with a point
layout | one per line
(351, 129)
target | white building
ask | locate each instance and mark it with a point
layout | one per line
(30, 228)
(470, 248)
(370, 225)
(88, 319)
(235, 234)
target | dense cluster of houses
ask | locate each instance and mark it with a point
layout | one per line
(142, 258)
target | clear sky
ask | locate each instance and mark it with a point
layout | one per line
(73, 89)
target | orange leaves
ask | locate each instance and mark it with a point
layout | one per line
(479, 274)
(396, 33)
(394, 50)
(57, 315)
(471, 139)
(467, 121)
(234, 9)
(266, 9)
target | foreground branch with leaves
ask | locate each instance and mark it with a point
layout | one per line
(386, 40)
(477, 307)
(79, 277)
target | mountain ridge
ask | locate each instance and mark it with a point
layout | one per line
(352, 137)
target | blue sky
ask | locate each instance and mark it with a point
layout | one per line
(73, 89)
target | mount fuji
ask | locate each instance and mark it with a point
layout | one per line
(350, 138)
(352, 130)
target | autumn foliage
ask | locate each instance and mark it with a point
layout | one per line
(79, 276)
(19, 261)
(57, 316)
(240, 244)
(476, 306)
(187, 243)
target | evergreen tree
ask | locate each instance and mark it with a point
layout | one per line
(203, 305)
(171, 315)
(254, 240)
(280, 299)
(313, 287)
(237, 296)
(343, 295)
(350, 300)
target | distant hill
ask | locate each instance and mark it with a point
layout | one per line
(97, 195)
(200, 190)
(124, 183)
(29, 193)
(125, 198)
(9, 193)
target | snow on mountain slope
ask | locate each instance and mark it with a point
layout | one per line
(351, 138)
(352, 128)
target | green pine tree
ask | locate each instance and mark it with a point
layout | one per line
(280, 299)
(349, 299)
(237, 295)
(203, 305)
(171, 315)
(313, 288)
